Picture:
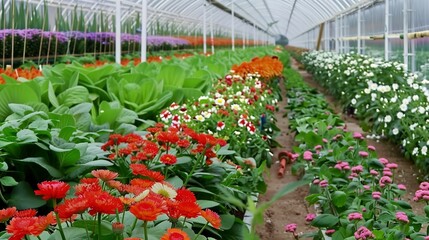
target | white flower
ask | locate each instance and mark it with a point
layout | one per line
(220, 101)
(235, 107)
(206, 114)
(366, 90)
(387, 118)
(353, 101)
(141, 196)
(415, 151)
(415, 97)
(200, 118)
(421, 110)
(424, 150)
(164, 190)
(395, 131)
(395, 86)
(400, 115)
(403, 107)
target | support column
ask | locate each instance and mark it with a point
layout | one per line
(232, 27)
(204, 29)
(405, 12)
(118, 32)
(143, 41)
(386, 30)
(359, 31)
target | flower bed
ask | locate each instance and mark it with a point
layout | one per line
(390, 102)
(179, 178)
(354, 190)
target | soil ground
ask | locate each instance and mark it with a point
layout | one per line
(292, 208)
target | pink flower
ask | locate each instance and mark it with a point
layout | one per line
(357, 135)
(387, 173)
(392, 165)
(424, 186)
(323, 183)
(357, 169)
(351, 148)
(316, 181)
(371, 148)
(310, 217)
(308, 156)
(402, 217)
(342, 165)
(376, 195)
(329, 232)
(366, 187)
(325, 140)
(373, 172)
(318, 147)
(363, 233)
(385, 180)
(384, 161)
(363, 154)
(290, 227)
(402, 187)
(355, 216)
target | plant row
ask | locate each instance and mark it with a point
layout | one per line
(354, 192)
(187, 174)
(390, 102)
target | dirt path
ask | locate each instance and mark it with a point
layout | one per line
(293, 208)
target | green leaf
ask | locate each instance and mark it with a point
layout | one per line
(8, 181)
(207, 203)
(73, 96)
(197, 189)
(176, 182)
(51, 95)
(92, 225)
(20, 109)
(69, 158)
(227, 221)
(325, 220)
(97, 163)
(71, 233)
(23, 197)
(288, 188)
(183, 159)
(44, 164)
(16, 93)
(339, 198)
(26, 136)
(172, 75)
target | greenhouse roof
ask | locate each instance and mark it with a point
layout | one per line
(285, 17)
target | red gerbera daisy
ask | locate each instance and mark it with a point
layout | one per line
(149, 208)
(52, 189)
(170, 137)
(72, 206)
(175, 234)
(189, 209)
(185, 195)
(103, 202)
(7, 213)
(168, 159)
(104, 175)
(211, 217)
(21, 226)
(26, 213)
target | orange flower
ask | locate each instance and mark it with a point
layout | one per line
(149, 208)
(103, 202)
(26, 213)
(7, 213)
(189, 209)
(104, 175)
(211, 217)
(175, 234)
(52, 189)
(185, 195)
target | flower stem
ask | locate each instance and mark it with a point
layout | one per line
(60, 227)
(133, 226)
(99, 226)
(145, 230)
(86, 226)
(201, 231)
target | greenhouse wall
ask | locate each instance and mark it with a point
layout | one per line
(363, 29)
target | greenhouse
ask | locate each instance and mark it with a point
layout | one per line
(214, 119)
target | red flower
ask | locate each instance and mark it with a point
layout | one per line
(140, 169)
(72, 206)
(132, 137)
(52, 189)
(189, 209)
(144, 183)
(185, 195)
(183, 143)
(149, 208)
(26, 213)
(169, 137)
(21, 226)
(103, 202)
(175, 234)
(114, 139)
(168, 159)
(7, 213)
(104, 175)
(82, 188)
(211, 217)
